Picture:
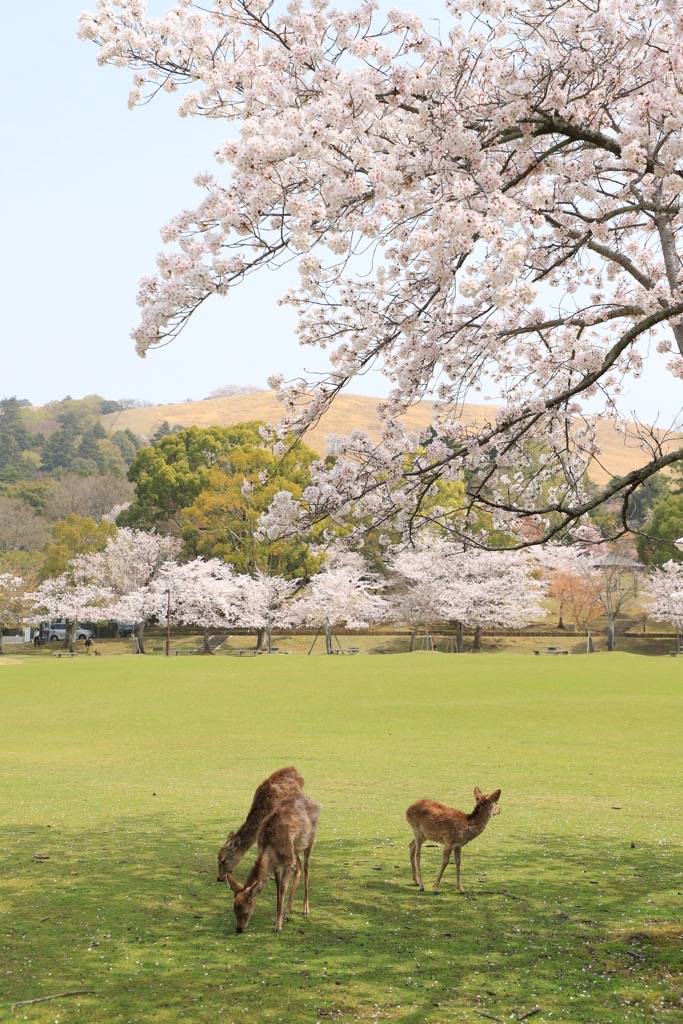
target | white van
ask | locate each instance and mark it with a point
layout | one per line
(57, 631)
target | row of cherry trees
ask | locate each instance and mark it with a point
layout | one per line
(138, 578)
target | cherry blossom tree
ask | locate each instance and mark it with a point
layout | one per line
(471, 587)
(267, 605)
(204, 592)
(422, 580)
(487, 199)
(129, 565)
(65, 597)
(492, 589)
(343, 593)
(664, 589)
(11, 600)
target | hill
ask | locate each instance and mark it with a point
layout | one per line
(349, 412)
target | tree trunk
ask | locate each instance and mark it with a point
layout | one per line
(328, 638)
(412, 640)
(207, 645)
(261, 639)
(611, 644)
(459, 637)
(69, 638)
(2, 626)
(590, 646)
(140, 637)
(560, 621)
(476, 643)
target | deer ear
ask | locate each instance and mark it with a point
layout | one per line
(234, 884)
(477, 793)
(495, 796)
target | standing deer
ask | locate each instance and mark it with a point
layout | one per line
(450, 828)
(285, 834)
(283, 783)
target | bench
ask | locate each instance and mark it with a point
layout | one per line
(552, 650)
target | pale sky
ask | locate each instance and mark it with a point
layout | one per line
(86, 186)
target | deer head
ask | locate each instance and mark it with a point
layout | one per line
(229, 856)
(487, 803)
(244, 902)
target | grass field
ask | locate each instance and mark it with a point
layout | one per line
(120, 777)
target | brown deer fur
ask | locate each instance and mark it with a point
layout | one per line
(283, 783)
(285, 834)
(450, 828)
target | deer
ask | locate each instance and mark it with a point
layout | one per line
(285, 834)
(451, 828)
(283, 783)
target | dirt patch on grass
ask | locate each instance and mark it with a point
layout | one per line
(656, 934)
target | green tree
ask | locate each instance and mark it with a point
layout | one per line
(162, 431)
(643, 501)
(127, 443)
(75, 535)
(172, 472)
(223, 520)
(664, 526)
(62, 447)
(15, 441)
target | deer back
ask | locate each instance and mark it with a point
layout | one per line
(442, 824)
(283, 783)
(290, 828)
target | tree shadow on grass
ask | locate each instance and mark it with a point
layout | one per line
(583, 930)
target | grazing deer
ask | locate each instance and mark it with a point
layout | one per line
(285, 834)
(450, 828)
(283, 783)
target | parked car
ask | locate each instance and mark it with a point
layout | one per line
(57, 631)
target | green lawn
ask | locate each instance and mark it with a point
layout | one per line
(120, 777)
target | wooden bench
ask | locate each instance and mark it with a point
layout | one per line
(552, 650)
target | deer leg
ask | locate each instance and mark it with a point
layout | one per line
(444, 864)
(293, 885)
(457, 853)
(307, 857)
(419, 839)
(280, 879)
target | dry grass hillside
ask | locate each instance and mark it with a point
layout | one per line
(349, 412)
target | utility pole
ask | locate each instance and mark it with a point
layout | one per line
(168, 622)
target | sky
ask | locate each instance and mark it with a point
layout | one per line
(87, 186)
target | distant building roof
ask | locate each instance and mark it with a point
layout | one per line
(619, 562)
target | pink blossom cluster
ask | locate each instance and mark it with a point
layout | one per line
(495, 203)
(437, 580)
(665, 593)
(11, 598)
